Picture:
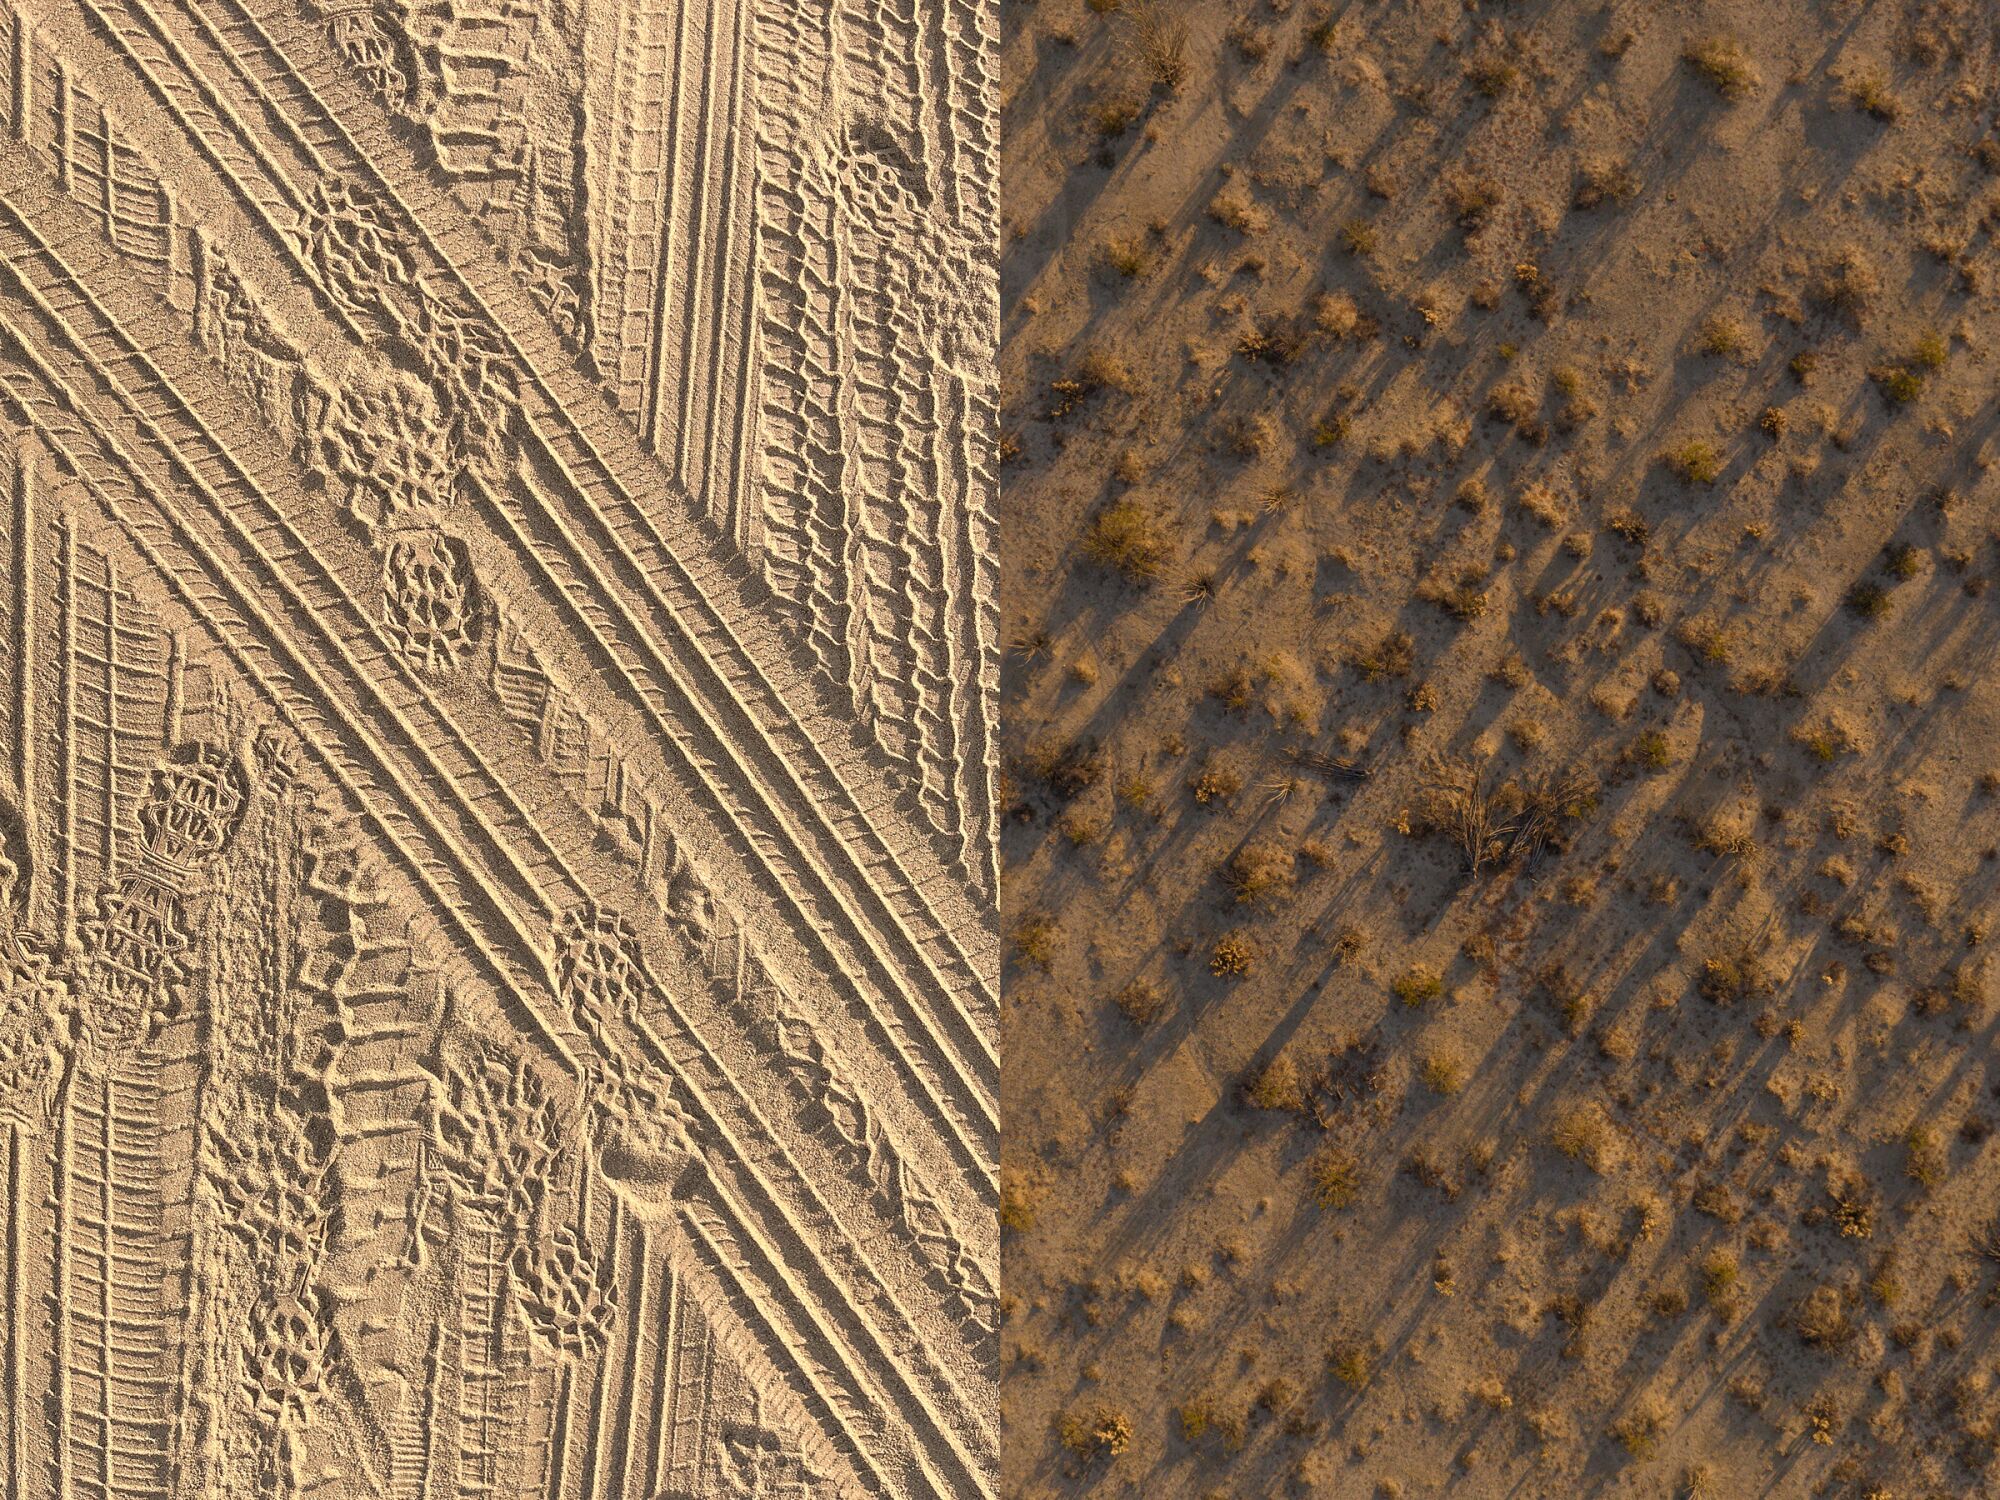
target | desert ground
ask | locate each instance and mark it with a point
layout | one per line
(1501, 814)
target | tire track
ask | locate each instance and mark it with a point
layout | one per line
(927, 1082)
(629, 544)
(343, 134)
(680, 236)
(948, 1094)
(810, 1372)
(544, 882)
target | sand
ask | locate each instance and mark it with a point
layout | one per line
(499, 900)
(1550, 438)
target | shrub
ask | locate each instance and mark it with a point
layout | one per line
(1925, 1159)
(1349, 1363)
(1127, 256)
(1638, 1433)
(1513, 404)
(1336, 1178)
(1473, 201)
(1112, 117)
(1277, 1086)
(1872, 97)
(1718, 1278)
(1102, 1432)
(1218, 782)
(1900, 384)
(1462, 601)
(1582, 1133)
(1847, 283)
(1604, 180)
(1695, 462)
(1722, 63)
(1232, 957)
(1235, 209)
(1067, 767)
(1733, 973)
(1035, 940)
(1128, 537)
(1869, 600)
(1260, 872)
(1820, 1318)
(1820, 741)
(1017, 1207)
(1653, 750)
(1853, 1209)
(1444, 1073)
(1141, 1002)
(1629, 526)
(1491, 77)
(1161, 41)
(1338, 316)
(1417, 985)
(1393, 655)
(1723, 334)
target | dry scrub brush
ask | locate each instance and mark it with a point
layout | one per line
(1161, 42)
(1490, 822)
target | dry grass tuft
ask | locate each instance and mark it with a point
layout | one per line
(1724, 64)
(1101, 1432)
(1160, 38)
(1260, 872)
(1336, 1178)
(1129, 537)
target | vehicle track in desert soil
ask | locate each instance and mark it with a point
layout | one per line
(947, 1095)
(543, 880)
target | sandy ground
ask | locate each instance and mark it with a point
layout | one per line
(1560, 433)
(498, 666)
